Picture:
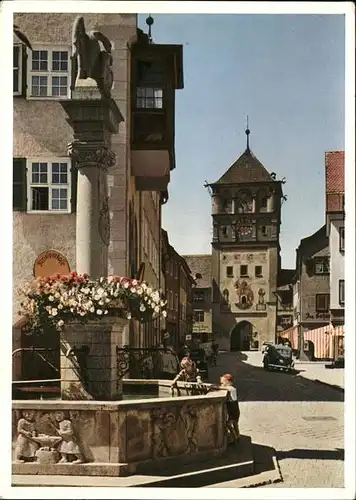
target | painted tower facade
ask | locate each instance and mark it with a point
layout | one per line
(246, 213)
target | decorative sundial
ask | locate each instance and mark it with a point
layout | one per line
(243, 227)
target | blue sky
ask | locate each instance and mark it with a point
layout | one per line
(287, 73)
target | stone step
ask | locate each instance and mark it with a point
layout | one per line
(236, 463)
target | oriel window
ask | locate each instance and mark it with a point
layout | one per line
(149, 98)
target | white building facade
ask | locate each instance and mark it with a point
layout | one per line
(335, 226)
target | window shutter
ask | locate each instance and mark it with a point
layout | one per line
(19, 185)
(74, 71)
(74, 182)
(24, 70)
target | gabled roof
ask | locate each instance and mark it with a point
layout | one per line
(247, 168)
(200, 264)
(335, 171)
(335, 180)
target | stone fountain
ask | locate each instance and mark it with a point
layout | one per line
(91, 430)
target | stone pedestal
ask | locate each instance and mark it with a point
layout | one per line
(89, 368)
(93, 119)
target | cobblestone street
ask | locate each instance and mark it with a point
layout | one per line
(300, 418)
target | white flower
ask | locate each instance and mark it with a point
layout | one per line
(126, 285)
(134, 282)
(60, 306)
(54, 312)
(156, 309)
(57, 295)
(99, 312)
(107, 300)
(133, 290)
(92, 309)
(106, 311)
(60, 323)
(139, 290)
(164, 314)
(51, 298)
(129, 315)
(101, 302)
(142, 308)
(149, 291)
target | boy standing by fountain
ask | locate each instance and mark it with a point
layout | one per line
(232, 403)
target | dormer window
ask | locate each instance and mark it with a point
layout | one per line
(149, 98)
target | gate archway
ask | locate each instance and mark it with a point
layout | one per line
(241, 336)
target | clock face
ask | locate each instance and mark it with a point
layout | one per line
(244, 227)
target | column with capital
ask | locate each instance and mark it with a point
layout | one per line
(94, 117)
(93, 120)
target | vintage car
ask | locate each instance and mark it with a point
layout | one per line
(278, 357)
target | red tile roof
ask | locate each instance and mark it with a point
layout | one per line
(334, 180)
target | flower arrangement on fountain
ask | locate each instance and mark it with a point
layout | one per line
(53, 301)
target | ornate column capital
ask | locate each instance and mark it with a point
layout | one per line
(88, 154)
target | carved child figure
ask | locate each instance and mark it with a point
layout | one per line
(26, 448)
(68, 447)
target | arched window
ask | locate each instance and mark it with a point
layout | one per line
(262, 200)
(243, 202)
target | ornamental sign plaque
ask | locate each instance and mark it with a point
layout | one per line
(49, 263)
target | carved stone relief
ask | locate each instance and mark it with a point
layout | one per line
(167, 420)
(48, 439)
(244, 294)
(86, 155)
(261, 306)
(104, 222)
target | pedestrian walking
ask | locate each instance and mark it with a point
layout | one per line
(215, 348)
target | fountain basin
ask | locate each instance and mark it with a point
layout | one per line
(130, 436)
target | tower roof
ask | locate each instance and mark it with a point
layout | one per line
(247, 168)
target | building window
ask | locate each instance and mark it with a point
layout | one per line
(264, 230)
(199, 295)
(228, 206)
(199, 316)
(48, 75)
(48, 185)
(244, 270)
(321, 265)
(263, 203)
(258, 271)
(322, 302)
(149, 98)
(342, 292)
(17, 69)
(224, 231)
(342, 239)
(229, 272)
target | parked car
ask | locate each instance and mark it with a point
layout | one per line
(265, 345)
(199, 358)
(278, 357)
